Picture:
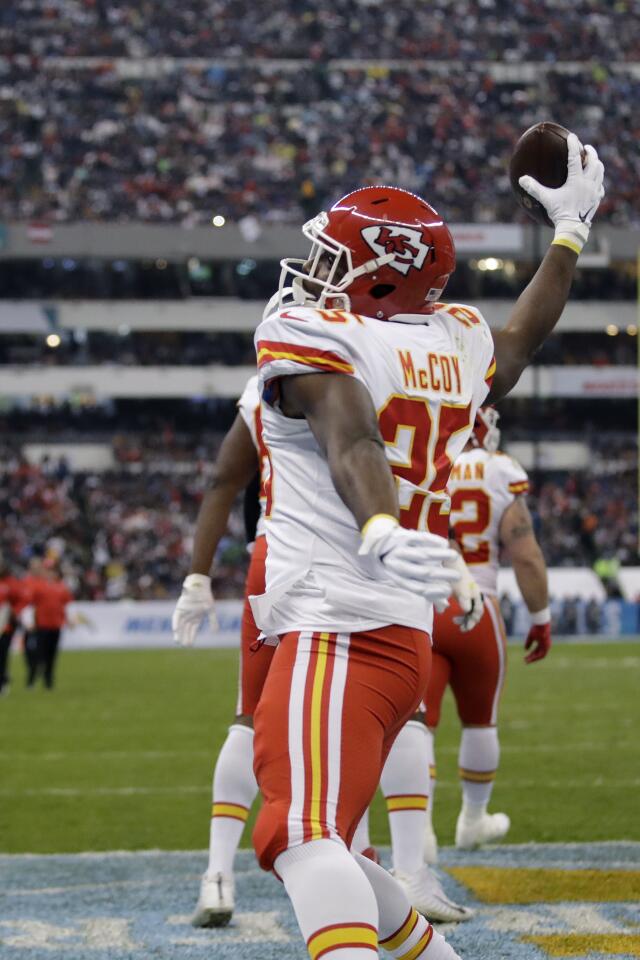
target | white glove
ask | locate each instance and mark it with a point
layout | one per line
(467, 593)
(572, 206)
(195, 602)
(28, 618)
(412, 559)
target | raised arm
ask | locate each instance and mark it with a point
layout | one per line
(533, 318)
(235, 466)
(518, 538)
(343, 420)
(571, 208)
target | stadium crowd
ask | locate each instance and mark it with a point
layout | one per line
(124, 533)
(469, 30)
(276, 143)
(582, 517)
(127, 532)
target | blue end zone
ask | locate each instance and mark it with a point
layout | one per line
(136, 906)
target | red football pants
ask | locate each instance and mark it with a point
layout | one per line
(330, 710)
(254, 660)
(472, 663)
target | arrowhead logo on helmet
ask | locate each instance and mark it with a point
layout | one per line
(405, 243)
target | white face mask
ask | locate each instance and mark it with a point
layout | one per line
(328, 288)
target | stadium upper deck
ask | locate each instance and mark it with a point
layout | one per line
(470, 30)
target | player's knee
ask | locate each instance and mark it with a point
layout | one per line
(271, 832)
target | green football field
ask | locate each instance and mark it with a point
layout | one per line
(120, 755)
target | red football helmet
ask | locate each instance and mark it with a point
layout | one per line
(390, 253)
(486, 432)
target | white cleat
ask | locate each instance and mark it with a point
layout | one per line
(485, 829)
(215, 903)
(425, 893)
(430, 845)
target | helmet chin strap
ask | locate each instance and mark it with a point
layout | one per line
(369, 266)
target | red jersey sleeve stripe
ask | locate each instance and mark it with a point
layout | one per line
(519, 487)
(270, 350)
(490, 372)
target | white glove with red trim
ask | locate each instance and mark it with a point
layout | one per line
(195, 602)
(413, 559)
(467, 593)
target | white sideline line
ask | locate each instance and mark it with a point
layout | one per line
(554, 846)
(205, 788)
(78, 887)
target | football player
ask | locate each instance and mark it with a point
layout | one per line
(234, 785)
(488, 512)
(12, 600)
(31, 581)
(370, 387)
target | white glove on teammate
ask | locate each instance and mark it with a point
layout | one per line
(467, 593)
(572, 206)
(412, 559)
(28, 618)
(194, 603)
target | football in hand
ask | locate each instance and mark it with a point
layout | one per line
(541, 152)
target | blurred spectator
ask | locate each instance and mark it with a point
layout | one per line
(607, 567)
(181, 141)
(593, 616)
(568, 621)
(507, 610)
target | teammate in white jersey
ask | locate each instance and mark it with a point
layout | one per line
(369, 390)
(488, 513)
(234, 785)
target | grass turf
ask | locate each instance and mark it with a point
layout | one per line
(120, 754)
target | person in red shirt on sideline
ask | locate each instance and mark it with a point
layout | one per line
(12, 599)
(49, 597)
(33, 578)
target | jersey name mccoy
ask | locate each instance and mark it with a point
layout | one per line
(249, 409)
(481, 486)
(427, 377)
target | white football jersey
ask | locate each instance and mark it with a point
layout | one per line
(427, 376)
(249, 409)
(481, 486)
